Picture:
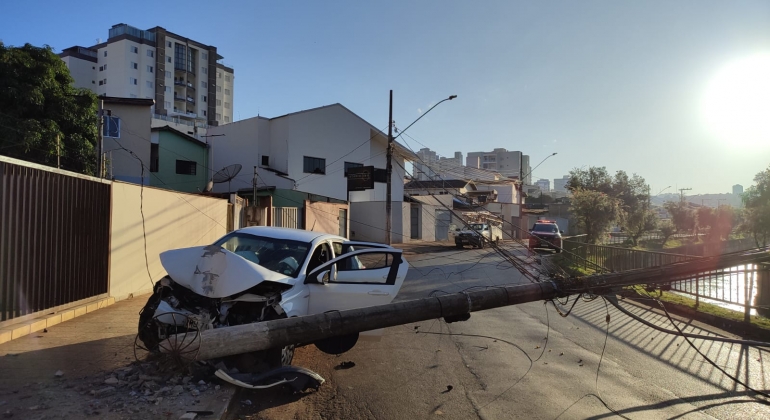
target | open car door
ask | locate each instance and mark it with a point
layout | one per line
(357, 279)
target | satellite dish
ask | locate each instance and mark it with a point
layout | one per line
(226, 174)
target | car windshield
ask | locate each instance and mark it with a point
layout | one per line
(477, 226)
(546, 227)
(280, 255)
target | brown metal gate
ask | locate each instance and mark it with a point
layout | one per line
(54, 238)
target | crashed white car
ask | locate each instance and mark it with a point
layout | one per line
(264, 273)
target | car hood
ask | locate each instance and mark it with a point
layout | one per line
(215, 272)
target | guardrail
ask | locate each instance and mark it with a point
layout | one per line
(618, 259)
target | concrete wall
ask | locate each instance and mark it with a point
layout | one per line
(172, 220)
(367, 221)
(83, 72)
(135, 136)
(325, 217)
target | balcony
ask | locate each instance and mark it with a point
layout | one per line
(180, 83)
(178, 98)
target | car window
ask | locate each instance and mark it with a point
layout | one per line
(545, 227)
(279, 255)
(321, 255)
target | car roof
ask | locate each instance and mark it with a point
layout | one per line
(287, 233)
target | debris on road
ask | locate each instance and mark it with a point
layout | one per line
(297, 377)
(58, 374)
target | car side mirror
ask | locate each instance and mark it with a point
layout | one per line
(323, 277)
(562, 232)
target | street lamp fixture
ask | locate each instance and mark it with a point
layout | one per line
(533, 169)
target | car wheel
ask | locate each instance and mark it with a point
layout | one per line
(459, 246)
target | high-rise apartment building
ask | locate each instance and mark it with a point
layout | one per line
(544, 185)
(183, 76)
(560, 184)
(509, 164)
(432, 167)
(737, 189)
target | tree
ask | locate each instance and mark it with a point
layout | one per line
(667, 229)
(723, 222)
(682, 216)
(595, 211)
(40, 110)
(756, 214)
(632, 195)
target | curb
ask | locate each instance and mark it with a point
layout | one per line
(38, 324)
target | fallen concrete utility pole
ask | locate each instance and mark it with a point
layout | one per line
(246, 338)
(228, 341)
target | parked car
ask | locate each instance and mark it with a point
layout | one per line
(478, 234)
(545, 234)
(258, 274)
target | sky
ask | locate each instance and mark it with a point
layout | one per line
(677, 92)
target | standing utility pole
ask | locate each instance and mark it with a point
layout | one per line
(100, 158)
(389, 171)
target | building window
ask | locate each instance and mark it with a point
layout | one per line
(105, 53)
(149, 69)
(111, 127)
(203, 98)
(167, 104)
(168, 44)
(134, 66)
(168, 59)
(219, 75)
(168, 89)
(227, 119)
(219, 117)
(227, 78)
(154, 160)
(134, 50)
(100, 83)
(168, 74)
(185, 167)
(265, 160)
(149, 84)
(204, 112)
(227, 105)
(219, 102)
(204, 85)
(227, 91)
(132, 81)
(204, 70)
(313, 165)
(150, 53)
(105, 81)
(219, 89)
(349, 165)
(205, 56)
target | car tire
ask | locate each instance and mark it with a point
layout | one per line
(459, 246)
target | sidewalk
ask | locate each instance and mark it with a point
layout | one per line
(89, 350)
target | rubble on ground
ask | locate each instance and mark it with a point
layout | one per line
(140, 390)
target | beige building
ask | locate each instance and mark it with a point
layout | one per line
(127, 128)
(189, 84)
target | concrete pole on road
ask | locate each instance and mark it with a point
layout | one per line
(228, 341)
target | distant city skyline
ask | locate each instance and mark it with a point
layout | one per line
(677, 92)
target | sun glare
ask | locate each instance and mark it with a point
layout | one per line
(736, 106)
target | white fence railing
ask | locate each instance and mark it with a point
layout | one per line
(286, 217)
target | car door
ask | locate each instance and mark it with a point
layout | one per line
(357, 279)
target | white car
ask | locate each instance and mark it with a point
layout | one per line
(257, 274)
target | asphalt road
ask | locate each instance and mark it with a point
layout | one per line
(523, 362)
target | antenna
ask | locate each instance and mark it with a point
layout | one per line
(226, 174)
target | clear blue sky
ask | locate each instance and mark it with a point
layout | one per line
(603, 83)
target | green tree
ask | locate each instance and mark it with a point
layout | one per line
(595, 212)
(631, 194)
(40, 110)
(723, 222)
(666, 229)
(756, 214)
(682, 216)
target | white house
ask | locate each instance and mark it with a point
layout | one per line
(309, 152)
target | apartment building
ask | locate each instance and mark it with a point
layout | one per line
(431, 166)
(509, 164)
(560, 184)
(185, 77)
(544, 185)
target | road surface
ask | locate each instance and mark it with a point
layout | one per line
(522, 362)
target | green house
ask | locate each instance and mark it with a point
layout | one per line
(178, 161)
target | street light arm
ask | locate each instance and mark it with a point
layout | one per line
(423, 114)
(533, 169)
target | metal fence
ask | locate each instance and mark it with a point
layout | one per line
(617, 259)
(288, 217)
(54, 239)
(735, 286)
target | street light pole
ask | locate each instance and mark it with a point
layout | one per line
(389, 172)
(389, 166)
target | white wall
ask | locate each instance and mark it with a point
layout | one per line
(119, 70)
(367, 221)
(171, 220)
(82, 71)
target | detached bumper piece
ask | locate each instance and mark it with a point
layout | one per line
(298, 378)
